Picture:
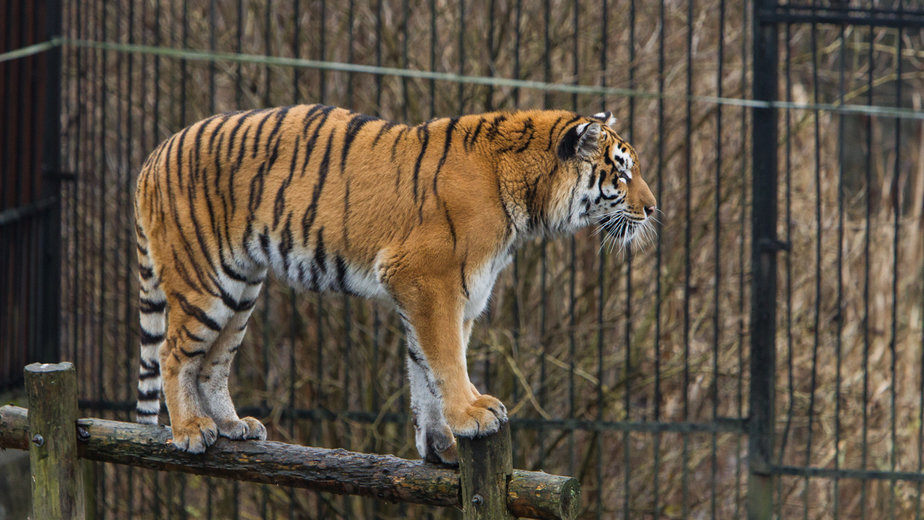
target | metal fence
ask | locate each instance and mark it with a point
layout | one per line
(782, 297)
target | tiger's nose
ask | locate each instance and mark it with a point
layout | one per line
(649, 210)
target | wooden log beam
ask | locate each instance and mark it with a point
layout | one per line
(530, 494)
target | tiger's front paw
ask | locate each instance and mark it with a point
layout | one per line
(481, 417)
(195, 435)
(241, 429)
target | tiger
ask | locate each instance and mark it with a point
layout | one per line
(422, 217)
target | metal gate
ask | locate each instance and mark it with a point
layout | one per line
(837, 401)
(30, 244)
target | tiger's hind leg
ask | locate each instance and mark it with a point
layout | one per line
(216, 367)
(194, 322)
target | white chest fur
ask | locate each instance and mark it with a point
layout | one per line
(480, 283)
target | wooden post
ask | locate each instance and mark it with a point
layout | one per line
(485, 467)
(57, 479)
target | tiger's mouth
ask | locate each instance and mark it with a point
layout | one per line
(624, 230)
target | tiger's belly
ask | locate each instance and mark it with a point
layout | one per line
(320, 271)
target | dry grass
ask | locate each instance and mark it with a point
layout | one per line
(677, 354)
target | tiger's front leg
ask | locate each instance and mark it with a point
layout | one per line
(437, 370)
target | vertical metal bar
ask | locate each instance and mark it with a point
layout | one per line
(864, 444)
(433, 45)
(656, 448)
(102, 171)
(818, 274)
(296, 49)
(739, 397)
(51, 175)
(239, 91)
(378, 57)
(840, 272)
(717, 273)
(461, 55)
(763, 264)
(543, 267)
(184, 64)
(516, 52)
(601, 284)
(322, 49)
(405, 14)
(788, 269)
(687, 238)
(212, 71)
(572, 270)
(350, 52)
(627, 371)
(896, 229)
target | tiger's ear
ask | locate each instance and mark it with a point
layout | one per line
(580, 141)
(606, 118)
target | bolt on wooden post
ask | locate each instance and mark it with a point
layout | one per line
(57, 481)
(485, 467)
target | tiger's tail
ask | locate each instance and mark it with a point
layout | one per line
(152, 307)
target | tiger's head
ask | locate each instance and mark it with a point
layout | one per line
(607, 188)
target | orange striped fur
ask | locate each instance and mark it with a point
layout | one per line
(421, 216)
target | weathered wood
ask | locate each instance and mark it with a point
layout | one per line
(485, 467)
(57, 479)
(534, 494)
(530, 494)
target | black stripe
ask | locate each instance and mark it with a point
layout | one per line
(150, 395)
(394, 144)
(139, 411)
(495, 126)
(150, 367)
(194, 311)
(310, 143)
(423, 133)
(448, 141)
(312, 212)
(352, 130)
(141, 249)
(280, 117)
(235, 168)
(147, 306)
(462, 274)
(265, 243)
(191, 336)
(232, 274)
(280, 202)
(144, 376)
(286, 242)
(341, 273)
(471, 138)
(246, 305)
(256, 138)
(552, 135)
(145, 272)
(388, 125)
(320, 255)
(150, 339)
(217, 130)
(193, 353)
